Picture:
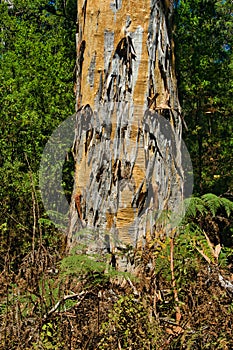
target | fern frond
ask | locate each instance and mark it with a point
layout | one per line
(81, 263)
(212, 202)
(194, 206)
(227, 205)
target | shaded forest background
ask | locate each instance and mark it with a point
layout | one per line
(47, 298)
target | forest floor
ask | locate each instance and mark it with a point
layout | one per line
(47, 304)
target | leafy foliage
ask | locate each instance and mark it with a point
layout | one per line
(37, 56)
(204, 57)
(129, 327)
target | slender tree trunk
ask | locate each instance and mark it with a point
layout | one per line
(127, 147)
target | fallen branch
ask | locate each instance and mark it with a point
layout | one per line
(66, 297)
(225, 283)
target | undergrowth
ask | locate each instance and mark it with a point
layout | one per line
(173, 300)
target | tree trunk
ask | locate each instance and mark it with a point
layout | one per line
(127, 147)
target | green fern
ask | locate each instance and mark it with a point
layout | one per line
(195, 206)
(227, 205)
(92, 267)
(208, 203)
(81, 263)
(212, 202)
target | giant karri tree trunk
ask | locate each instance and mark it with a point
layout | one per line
(127, 146)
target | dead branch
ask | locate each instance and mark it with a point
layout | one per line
(225, 283)
(66, 297)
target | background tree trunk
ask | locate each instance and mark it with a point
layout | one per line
(127, 147)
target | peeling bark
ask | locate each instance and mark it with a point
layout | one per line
(127, 147)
